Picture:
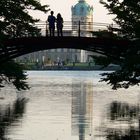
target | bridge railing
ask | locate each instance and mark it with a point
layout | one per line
(78, 28)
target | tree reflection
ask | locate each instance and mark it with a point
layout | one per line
(10, 114)
(124, 122)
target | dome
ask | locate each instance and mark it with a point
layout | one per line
(82, 8)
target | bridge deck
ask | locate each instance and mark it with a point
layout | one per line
(20, 46)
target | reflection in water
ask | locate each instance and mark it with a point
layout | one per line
(82, 102)
(126, 121)
(123, 111)
(10, 114)
(66, 106)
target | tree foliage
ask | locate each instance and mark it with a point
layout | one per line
(15, 21)
(127, 16)
(12, 72)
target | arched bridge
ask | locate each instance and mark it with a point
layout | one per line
(75, 36)
(13, 48)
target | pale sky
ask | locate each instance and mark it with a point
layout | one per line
(100, 14)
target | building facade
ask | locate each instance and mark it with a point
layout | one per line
(82, 21)
(82, 13)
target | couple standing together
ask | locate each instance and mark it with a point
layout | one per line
(59, 24)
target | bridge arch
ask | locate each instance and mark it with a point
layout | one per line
(13, 48)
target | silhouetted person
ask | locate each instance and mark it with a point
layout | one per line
(59, 22)
(51, 20)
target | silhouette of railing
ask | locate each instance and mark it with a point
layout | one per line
(77, 35)
(78, 28)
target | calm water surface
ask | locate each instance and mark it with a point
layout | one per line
(69, 105)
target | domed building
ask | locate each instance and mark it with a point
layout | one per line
(82, 11)
(82, 14)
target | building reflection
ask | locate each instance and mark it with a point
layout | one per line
(124, 122)
(10, 114)
(82, 109)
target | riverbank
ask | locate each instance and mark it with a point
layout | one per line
(79, 68)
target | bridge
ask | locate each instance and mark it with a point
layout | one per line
(77, 37)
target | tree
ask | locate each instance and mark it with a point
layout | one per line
(15, 21)
(127, 16)
(12, 72)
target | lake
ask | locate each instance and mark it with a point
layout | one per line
(69, 105)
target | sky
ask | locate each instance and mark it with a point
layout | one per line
(100, 13)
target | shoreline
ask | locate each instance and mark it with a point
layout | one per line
(71, 68)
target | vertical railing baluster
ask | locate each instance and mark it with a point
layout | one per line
(79, 28)
(46, 29)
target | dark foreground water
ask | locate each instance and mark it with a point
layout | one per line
(69, 105)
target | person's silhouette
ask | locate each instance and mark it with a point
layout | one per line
(51, 20)
(59, 22)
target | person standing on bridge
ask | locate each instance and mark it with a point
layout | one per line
(51, 19)
(59, 21)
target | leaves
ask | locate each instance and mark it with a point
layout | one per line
(15, 21)
(14, 15)
(128, 18)
(127, 15)
(12, 72)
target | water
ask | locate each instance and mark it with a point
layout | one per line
(69, 105)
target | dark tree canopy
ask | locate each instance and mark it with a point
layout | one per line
(127, 16)
(15, 21)
(11, 72)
